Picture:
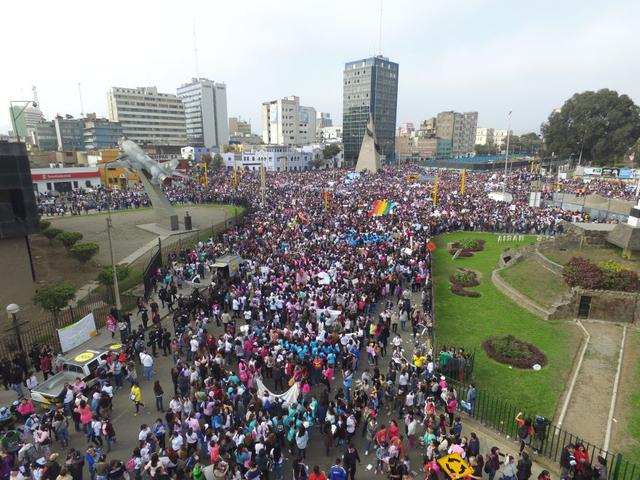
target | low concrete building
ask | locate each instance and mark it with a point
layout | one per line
(64, 179)
(275, 158)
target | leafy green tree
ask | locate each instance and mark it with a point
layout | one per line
(486, 150)
(530, 144)
(54, 298)
(69, 239)
(216, 163)
(331, 151)
(602, 124)
(83, 252)
(52, 233)
(105, 276)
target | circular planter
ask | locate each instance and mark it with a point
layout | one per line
(514, 352)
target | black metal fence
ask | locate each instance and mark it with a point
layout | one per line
(499, 415)
(456, 363)
(151, 269)
(44, 330)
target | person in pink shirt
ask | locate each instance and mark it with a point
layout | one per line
(26, 408)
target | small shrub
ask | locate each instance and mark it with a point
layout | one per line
(105, 274)
(468, 246)
(51, 233)
(580, 272)
(514, 352)
(69, 239)
(462, 279)
(611, 266)
(472, 244)
(611, 275)
(83, 252)
(44, 224)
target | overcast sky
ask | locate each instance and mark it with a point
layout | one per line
(484, 55)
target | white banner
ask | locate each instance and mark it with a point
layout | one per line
(288, 397)
(77, 333)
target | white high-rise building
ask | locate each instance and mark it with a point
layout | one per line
(307, 125)
(280, 121)
(484, 136)
(494, 136)
(286, 122)
(148, 117)
(205, 107)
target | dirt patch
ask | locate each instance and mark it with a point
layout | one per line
(514, 352)
(53, 264)
(589, 408)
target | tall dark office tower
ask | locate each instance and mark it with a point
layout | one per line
(370, 86)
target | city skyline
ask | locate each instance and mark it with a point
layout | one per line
(484, 56)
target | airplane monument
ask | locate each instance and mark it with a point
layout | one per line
(153, 175)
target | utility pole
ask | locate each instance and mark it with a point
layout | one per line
(263, 180)
(506, 157)
(116, 289)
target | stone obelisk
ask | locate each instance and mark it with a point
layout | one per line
(369, 156)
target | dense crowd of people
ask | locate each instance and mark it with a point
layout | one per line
(315, 337)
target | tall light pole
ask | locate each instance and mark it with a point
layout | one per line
(116, 288)
(15, 117)
(582, 147)
(506, 158)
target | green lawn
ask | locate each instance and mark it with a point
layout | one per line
(531, 279)
(630, 446)
(467, 322)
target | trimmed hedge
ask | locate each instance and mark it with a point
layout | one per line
(69, 239)
(52, 233)
(83, 252)
(512, 351)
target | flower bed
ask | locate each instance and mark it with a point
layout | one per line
(468, 247)
(462, 279)
(514, 352)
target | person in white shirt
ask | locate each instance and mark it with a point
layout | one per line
(144, 432)
(193, 347)
(176, 441)
(32, 381)
(147, 364)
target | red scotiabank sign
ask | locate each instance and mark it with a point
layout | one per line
(63, 176)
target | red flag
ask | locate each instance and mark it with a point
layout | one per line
(431, 246)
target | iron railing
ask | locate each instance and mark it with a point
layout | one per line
(44, 331)
(499, 415)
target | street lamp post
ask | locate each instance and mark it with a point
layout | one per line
(15, 117)
(12, 310)
(506, 157)
(116, 288)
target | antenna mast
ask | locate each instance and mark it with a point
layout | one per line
(35, 95)
(195, 48)
(81, 103)
(380, 31)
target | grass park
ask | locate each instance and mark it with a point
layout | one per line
(467, 322)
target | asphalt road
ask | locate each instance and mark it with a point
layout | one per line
(127, 425)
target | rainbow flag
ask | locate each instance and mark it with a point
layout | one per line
(382, 207)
